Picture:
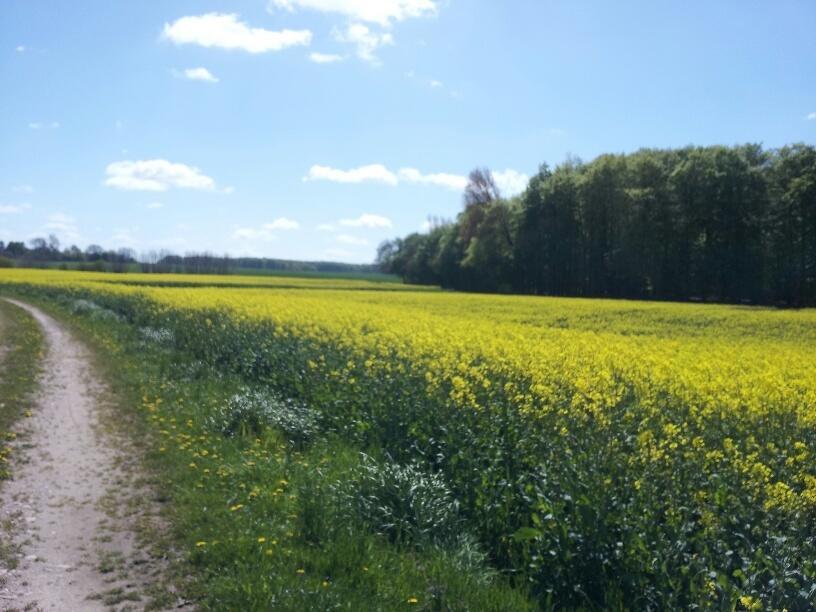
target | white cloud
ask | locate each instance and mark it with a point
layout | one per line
(282, 223)
(367, 220)
(155, 175)
(20, 48)
(510, 182)
(382, 12)
(22, 189)
(426, 226)
(250, 233)
(62, 224)
(226, 32)
(155, 205)
(200, 74)
(38, 125)
(325, 227)
(366, 41)
(812, 117)
(435, 84)
(337, 253)
(13, 209)
(346, 239)
(441, 179)
(265, 232)
(373, 173)
(325, 58)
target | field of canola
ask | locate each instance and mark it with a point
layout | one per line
(603, 453)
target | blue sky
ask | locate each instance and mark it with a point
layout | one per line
(314, 129)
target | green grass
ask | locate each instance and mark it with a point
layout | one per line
(259, 519)
(21, 347)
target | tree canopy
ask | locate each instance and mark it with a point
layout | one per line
(730, 224)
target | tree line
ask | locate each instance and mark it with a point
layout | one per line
(727, 224)
(46, 252)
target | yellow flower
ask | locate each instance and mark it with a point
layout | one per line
(201, 544)
(412, 600)
(261, 540)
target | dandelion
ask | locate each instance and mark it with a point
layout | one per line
(413, 600)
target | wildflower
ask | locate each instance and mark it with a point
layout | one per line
(413, 600)
(201, 544)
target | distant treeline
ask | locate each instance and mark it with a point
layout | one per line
(730, 224)
(46, 252)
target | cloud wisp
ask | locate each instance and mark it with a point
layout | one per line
(266, 231)
(325, 58)
(225, 31)
(199, 74)
(156, 175)
(381, 12)
(367, 220)
(14, 209)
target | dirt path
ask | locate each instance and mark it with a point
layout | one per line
(70, 502)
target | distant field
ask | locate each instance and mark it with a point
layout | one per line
(131, 268)
(591, 453)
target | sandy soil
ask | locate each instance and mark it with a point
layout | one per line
(70, 505)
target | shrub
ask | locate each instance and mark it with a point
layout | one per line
(250, 412)
(402, 502)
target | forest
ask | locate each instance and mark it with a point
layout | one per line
(724, 224)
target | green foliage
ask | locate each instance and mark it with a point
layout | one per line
(5, 262)
(714, 223)
(402, 502)
(250, 413)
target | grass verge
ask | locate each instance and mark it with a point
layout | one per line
(21, 350)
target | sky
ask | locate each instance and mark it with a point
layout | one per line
(315, 129)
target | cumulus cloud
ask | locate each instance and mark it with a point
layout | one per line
(367, 220)
(155, 175)
(373, 173)
(325, 58)
(225, 31)
(200, 74)
(441, 179)
(510, 182)
(282, 223)
(13, 209)
(366, 41)
(353, 240)
(382, 12)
